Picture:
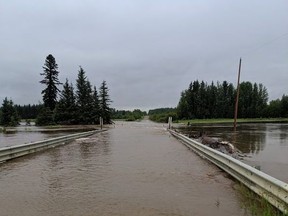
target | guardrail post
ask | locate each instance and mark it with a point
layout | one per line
(170, 122)
(101, 123)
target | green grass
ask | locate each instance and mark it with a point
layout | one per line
(256, 204)
(222, 121)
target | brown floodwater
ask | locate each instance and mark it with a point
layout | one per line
(133, 169)
(265, 144)
(22, 137)
(27, 134)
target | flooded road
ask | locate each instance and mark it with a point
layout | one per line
(132, 169)
(266, 144)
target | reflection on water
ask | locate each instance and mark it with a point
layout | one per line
(249, 138)
(132, 169)
(265, 144)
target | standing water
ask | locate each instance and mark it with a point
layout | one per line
(132, 169)
(264, 144)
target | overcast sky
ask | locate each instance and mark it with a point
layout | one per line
(148, 51)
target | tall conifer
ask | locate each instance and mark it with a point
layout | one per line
(84, 98)
(105, 110)
(51, 81)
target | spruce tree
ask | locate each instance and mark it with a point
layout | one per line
(84, 98)
(51, 81)
(45, 117)
(66, 107)
(9, 116)
(105, 111)
(96, 106)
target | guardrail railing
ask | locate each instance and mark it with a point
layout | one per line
(8, 153)
(268, 187)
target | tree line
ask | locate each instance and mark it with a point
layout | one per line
(128, 115)
(28, 111)
(82, 105)
(206, 101)
(162, 114)
(203, 101)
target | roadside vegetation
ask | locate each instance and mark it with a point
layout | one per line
(255, 204)
(127, 115)
(162, 114)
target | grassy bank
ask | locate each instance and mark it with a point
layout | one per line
(222, 121)
(256, 204)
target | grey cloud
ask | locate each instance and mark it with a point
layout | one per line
(147, 51)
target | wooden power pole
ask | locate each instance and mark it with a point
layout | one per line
(237, 97)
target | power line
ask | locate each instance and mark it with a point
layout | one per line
(266, 43)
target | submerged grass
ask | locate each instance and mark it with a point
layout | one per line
(255, 204)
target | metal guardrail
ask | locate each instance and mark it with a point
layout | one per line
(268, 187)
(8, 153)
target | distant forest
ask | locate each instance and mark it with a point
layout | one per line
(205, 101)
(128, 115)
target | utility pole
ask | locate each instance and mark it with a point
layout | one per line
(237, 97)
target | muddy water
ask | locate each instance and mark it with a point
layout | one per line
(25, 134)
(266, 145)
(132, 169)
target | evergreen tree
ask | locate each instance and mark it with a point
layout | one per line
(51, 81)
(9, 116)
(28, 111)
(96, 106)
(231, 97)
(105, 111)
(66, 107)
(45, 117)
(284, 106)
(245, 99)
(84, 98)
(212, 100)
(202, 108)
(183, 106)
(262, 100)
(273, 110)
